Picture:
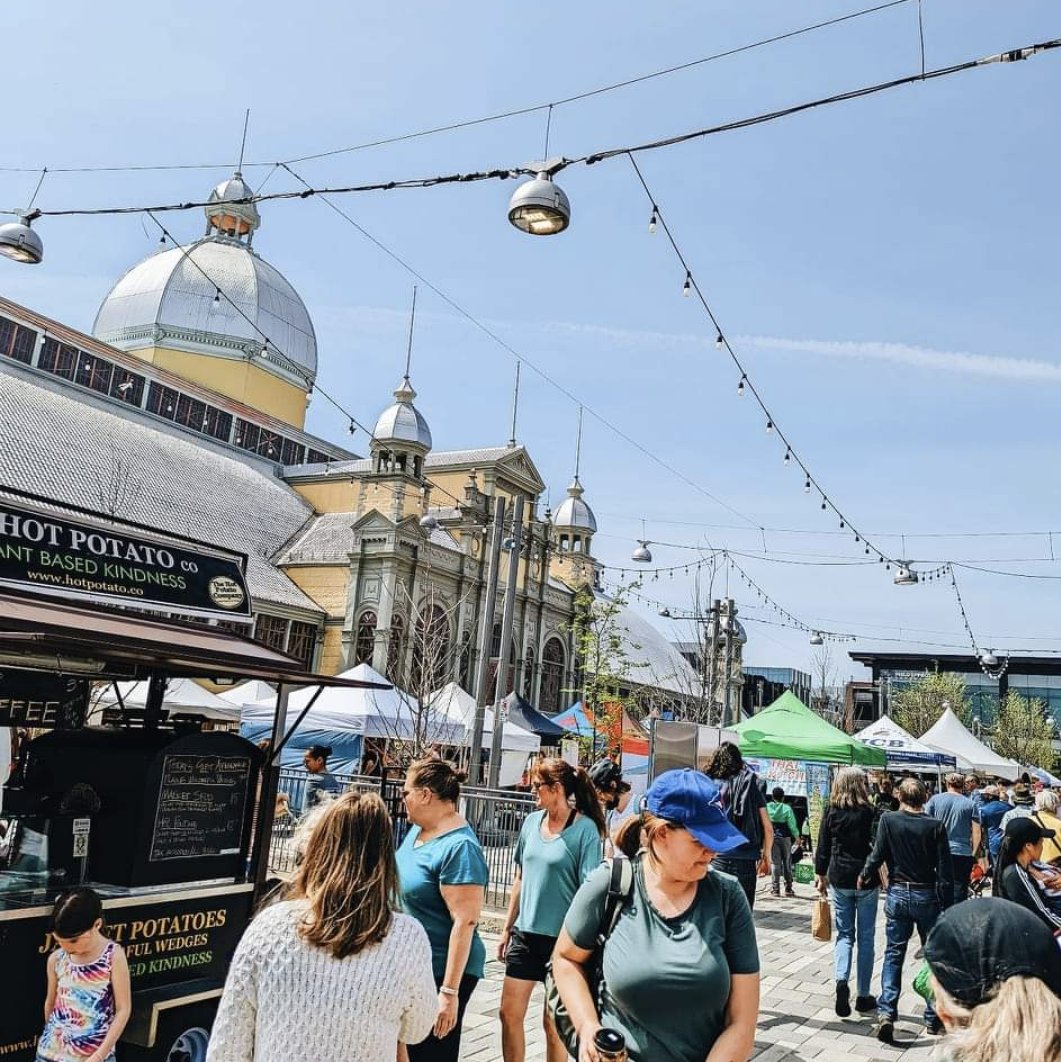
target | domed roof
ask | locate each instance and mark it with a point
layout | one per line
(574, 512)
(402, 422)
(171, 299)
(231, 217)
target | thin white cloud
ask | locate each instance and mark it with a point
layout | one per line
(955, 362)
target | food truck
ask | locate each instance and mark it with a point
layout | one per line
(155, 814)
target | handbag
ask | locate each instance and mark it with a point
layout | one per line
(821, 920)
(620, 885)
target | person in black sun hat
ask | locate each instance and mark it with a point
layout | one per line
(996, 975)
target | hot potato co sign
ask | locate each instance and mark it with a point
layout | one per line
(47, 554)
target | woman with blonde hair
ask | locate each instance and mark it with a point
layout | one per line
(680, 968)
(996, 976)
(1045, 814)
(844, 842)
(333, 971)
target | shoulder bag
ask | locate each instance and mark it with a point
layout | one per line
(620, 885)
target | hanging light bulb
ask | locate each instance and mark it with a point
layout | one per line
(842, 525)
(162, 240)
(652, 222)
(740, 387)
(823, 505)
(719, 342)
(217, 296)
(769, 427)
(788, 458)
(352, 428)
(806, 486)
(687, 287)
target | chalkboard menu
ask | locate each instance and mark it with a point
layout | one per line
(201, 806)
(42, 700)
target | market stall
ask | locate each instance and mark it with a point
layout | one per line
(182, 697)
(950, 735)
(905, 752)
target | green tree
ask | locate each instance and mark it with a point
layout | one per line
(1024, 731)
(917, 706)
(604, 665)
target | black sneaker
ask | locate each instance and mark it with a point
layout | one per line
(843, 1000)
(884, 1030)
(934, 1027)
(866, 1004)
(790, 892)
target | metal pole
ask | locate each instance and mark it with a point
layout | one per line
(486, 631)
(156, 694)
(728, 694)
(713, 621)
(506, 641)
(267, 789)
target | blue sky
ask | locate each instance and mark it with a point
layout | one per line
(885, 267)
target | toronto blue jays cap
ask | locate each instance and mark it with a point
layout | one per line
(690, 799)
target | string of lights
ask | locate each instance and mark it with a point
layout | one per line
(486, 119)
(745, 383)
(592, 158)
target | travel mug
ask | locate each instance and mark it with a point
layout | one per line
(610, 1045)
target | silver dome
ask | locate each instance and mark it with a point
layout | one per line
(402, 422)
(574, 512)
(228, 216)
(167, 300)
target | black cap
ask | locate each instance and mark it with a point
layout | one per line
(977, 945)
(605, 774)
(1025, 830)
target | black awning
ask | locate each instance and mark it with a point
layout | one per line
(105, 643)
(524, 714)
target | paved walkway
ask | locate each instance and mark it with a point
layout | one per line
(796, 1019)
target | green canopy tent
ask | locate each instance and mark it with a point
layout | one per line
(789, 730)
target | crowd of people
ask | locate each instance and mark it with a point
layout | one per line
(638, 919)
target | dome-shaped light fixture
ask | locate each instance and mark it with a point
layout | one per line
(988, 659)
(20, 243)
(643, 555)
(817, 639)
(429, 522)
(905, 576)
(665, 612)
(540, 206)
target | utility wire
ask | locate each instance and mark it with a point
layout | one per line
(505, 173)
(483, 120)
(522, 358)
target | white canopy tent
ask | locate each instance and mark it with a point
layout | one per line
(904, 751)
(388, 713)
(183, 696)
(458, 706)
(253, 692)
(949, 735)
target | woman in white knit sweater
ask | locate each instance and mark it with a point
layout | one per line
(334, 973)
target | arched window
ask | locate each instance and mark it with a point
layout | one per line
(552, 676)
(430, 651)
(528, 672)
(365, 639)
(396, 650)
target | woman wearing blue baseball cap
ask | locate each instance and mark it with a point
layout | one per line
(680, 968)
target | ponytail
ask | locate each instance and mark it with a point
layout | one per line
(577, 787)
(1007, 856)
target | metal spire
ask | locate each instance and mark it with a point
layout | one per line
(409, 349)
(578, 444)
(243, 145)
(515, 408)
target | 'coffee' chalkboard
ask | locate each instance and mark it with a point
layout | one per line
(201, 804)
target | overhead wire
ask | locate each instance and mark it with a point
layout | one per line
(485, 119)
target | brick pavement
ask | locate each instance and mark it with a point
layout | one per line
(796, 1018)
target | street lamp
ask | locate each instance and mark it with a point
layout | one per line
(643, 555)
(20, 243)
(540, 206)
(905, 576)
(429, 522)
(817, 639)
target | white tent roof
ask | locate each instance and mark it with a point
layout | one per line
(901, 747)
(387, 713)
(183, 695)
(949, 735)
(253, 692)
(459, 706)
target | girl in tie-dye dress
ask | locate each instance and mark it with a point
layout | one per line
(89, 1000)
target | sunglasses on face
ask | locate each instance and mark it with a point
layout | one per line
(541, 785)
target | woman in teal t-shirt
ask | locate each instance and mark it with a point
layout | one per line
(681, 966)
(443, 878)
(557, 850)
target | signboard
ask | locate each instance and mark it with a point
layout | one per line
(187, 937)
(798, 778)
(41, 700)
(201, 805)
(48, 554)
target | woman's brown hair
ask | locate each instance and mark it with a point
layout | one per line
(645, 827)
(576, 784)
(442, 778)
(349, 876)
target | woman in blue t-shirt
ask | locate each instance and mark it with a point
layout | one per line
(443, 878)
(559, 846)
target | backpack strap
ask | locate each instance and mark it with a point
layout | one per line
(620, 885)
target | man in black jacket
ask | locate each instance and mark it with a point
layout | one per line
(916, 852)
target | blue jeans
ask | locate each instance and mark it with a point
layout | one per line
(906, 909)
(855, 915)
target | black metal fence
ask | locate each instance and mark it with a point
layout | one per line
(496, 815)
